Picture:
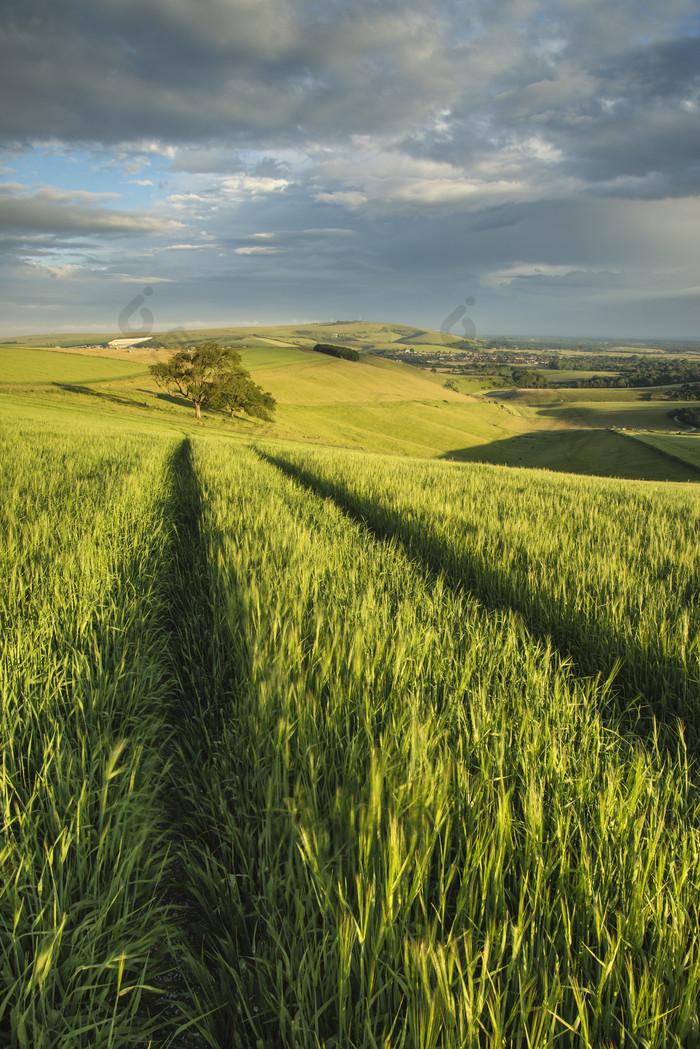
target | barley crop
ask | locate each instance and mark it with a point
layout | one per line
(605, 569)
(85, 686)
(414, 824)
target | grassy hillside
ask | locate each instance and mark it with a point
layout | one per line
(358, 334)
(625, 409)
(31, 365)
(683, 447)
(372, 403)
(375, 404)
(601, 452)
(302, 377)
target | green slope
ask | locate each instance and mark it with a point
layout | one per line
(23, 365)
(375, 404)
(601, 452)
(303, 377)
(372, 403)
(358, 334)
(683, 447)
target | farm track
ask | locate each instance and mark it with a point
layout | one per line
(646, 697)
(188, 629)
(209, 675)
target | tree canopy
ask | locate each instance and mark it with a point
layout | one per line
(240, 393)
(212, 376)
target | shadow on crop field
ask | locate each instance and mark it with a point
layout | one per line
(650, 691)
(181, 402)
(186, 622)
(593, 452)
(101, 395)
(209, 679)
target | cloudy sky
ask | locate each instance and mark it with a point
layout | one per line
(279, 161)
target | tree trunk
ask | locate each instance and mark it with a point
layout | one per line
(197, 412)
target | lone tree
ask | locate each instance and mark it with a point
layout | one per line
(211, 376)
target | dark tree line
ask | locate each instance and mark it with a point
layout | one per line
(635, 373)
(337, 351)
(686, 416)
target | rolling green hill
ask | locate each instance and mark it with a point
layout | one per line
(25, 365)
(374, 404)
(355, 333)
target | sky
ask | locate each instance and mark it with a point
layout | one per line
(520, 166)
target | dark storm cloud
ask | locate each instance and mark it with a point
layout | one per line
(45, 245)
(206, 161)
(643, 124)
(606, 95)
(666, 69)
(601, 93)
(176, 71)
(496, 217)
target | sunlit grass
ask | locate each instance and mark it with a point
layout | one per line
(416, 826)
(85, 684)
(400, 738)
(22, 365)
(607, 569)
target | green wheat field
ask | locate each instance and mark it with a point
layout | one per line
(308, 746)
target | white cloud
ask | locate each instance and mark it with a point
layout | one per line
(74, 196)
(242, 186)
(506, 276)
(350, 199)
(184, 247)
(252, 250)
(66, 272)
(394, 180)
(128, 278)
(11, 189)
